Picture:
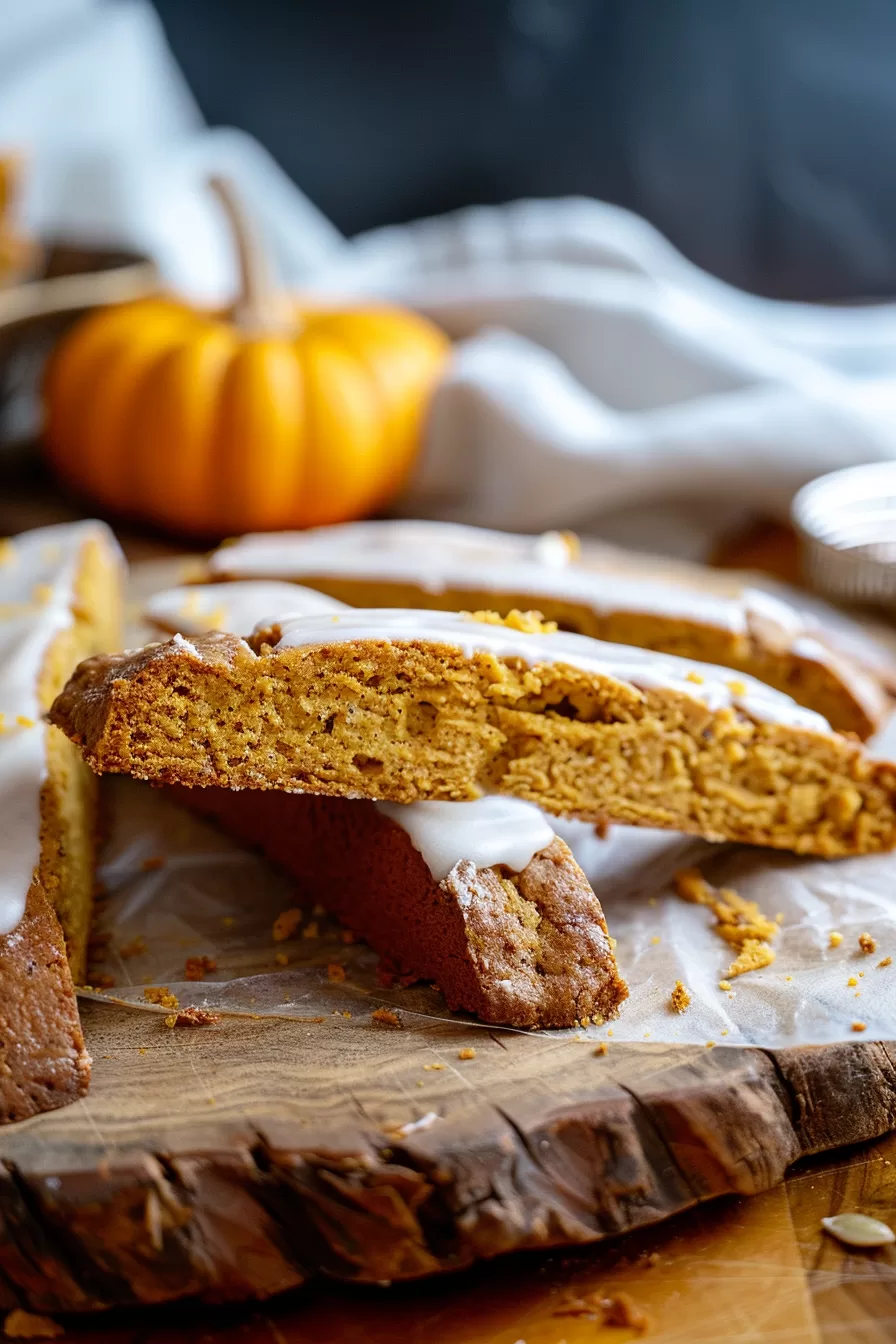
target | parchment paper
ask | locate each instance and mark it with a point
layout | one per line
(209, 897)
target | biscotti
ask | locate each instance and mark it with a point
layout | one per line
(409, 705)
(480, 898)
(448, 567)
(60, 600)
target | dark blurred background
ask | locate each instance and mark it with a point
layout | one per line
(756, 134)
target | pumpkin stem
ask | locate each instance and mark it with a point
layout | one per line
(259, 306)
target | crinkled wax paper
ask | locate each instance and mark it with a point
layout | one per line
(178, 888)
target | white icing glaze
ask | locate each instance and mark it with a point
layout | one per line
(37, 576)
(642, 668)
(233, 607)
(487, 831)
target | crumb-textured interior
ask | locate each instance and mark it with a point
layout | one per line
(407, 721)
(845, 695)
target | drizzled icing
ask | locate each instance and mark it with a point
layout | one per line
(232, 607)
(38, 571)
(487, 831)
(715, 687)
(442, 557)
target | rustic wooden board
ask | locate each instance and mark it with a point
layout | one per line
(248, 1158)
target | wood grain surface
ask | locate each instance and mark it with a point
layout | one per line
(736, 1271)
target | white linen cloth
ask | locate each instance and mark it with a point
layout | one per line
(597, 371)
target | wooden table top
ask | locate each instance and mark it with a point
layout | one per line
(734, 1270)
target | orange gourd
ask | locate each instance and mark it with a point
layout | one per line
(272, 415)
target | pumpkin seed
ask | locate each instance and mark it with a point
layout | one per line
(857, 1229)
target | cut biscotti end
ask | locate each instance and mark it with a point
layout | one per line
(411, 705)
(520, 949)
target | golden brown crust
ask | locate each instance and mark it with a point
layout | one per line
(524, 950)
(407, 721)
(43, 1061)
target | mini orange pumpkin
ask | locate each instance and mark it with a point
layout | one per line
(272, 415)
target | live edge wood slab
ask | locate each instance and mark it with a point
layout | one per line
(243, 1159)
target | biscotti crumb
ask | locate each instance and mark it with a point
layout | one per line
(386, 1016)
(887, 961)
(867, 943)
(737, 687)
(655, 940)
(286, 923)
(195, 1017)
(858, 1026)
(467, 1053)
(281, 958)
(171, 1020)
(601, 1049)
(614, 1309)
(135, 948)
(695, 677)
(710, 1045)
(21, 1324)
(433, 1068)
(161, 995)
(691, 885)
(196, 968)
(622, 1310)
(23, 721)
(753, 956)
(527, 622)
(738, 921)
(311, 930)
(335, 972)
(834, 938)
(680, 998)
(724, 986)
(851, 982)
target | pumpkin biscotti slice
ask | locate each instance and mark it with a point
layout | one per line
(403, 563)
(409, 705)
(481, 898)
(195, 609)
(60, 599)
